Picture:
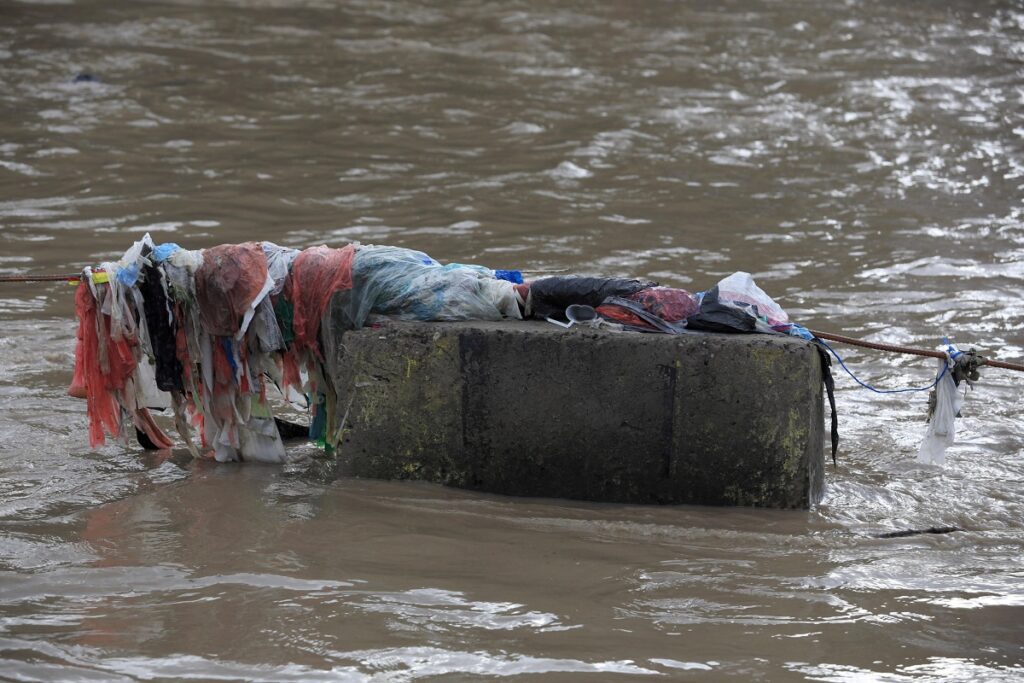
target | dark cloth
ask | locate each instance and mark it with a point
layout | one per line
(162, 330)
(550, 296)
(714, 316)
(830, 390)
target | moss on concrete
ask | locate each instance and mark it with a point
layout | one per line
(531, 409)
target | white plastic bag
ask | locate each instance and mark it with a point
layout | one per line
(279, 264)
(740, 291)
(942, 427)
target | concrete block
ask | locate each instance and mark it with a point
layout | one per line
(531, 409)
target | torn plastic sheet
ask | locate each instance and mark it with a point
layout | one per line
(941, 432)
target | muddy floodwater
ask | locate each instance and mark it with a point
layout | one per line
(863, 159)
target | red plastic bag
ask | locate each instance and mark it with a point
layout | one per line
(668, 303)
(230, 279)
(317, 273)
(100, 387)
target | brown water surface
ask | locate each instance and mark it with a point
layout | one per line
(865, 160)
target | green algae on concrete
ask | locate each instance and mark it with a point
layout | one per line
(531, 409)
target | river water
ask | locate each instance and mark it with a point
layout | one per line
(865, 160)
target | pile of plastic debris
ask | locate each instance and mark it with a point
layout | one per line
(205, 333)
(736, 304)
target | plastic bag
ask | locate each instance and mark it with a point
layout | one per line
(317, 273)
(267, 328)
(631, 315)
(737, 304)
(133, 260)
(716, 315)
(279, 264)
(404, 284)
(662, 309)
(180, 268)
(102, 366)
(162, 252)
(738, 290)
(668, 303)
(230, 283)
(146, 392)
(513, 276)
(503, 295)
(941, 431)
(112, 298)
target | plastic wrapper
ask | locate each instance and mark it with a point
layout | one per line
(147, 394)
(404, 284)
(256, 439)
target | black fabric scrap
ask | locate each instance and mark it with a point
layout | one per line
(550, 296)
(162, 332)
(714, 316)
(830, 389)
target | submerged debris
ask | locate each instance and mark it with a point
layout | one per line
(903, 533)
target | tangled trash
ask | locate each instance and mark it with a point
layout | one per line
(205, 333)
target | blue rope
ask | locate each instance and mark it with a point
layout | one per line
(856, 379)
